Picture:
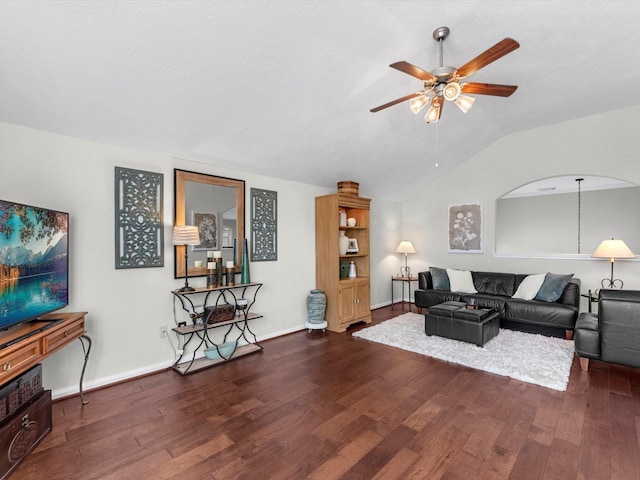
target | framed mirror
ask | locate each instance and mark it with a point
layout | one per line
(216, 205)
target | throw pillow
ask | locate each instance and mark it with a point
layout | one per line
(529, 287)
(552, 287)
(439, 278)
(461, 281)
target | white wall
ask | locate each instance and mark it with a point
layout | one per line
(603, 214)
(127, 307)
(603, 144)
(386, 234)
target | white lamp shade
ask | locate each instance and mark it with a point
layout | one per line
(451, 91)
(465, 102)
(435, 110)
(185, 235)
(418, 103)
(405, 247)
(613, 249)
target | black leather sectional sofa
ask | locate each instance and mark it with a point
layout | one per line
(613, 334)
(495, 290)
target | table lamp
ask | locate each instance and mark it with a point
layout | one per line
(186, 235)
(405, 247)
(612, 249)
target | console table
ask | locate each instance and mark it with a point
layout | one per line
(403, 280)
(29, 343)
(191, 301)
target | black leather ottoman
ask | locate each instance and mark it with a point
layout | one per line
(454, 320)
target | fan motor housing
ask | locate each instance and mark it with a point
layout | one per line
(443, 73)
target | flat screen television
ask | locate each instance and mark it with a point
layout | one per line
(34, 266)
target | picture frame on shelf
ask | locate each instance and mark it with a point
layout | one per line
(353, 246)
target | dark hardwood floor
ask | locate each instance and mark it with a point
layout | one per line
(314, 406)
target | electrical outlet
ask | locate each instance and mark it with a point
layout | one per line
(163, 331)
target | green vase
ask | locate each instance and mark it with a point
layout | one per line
(244, 274)
(316, 305)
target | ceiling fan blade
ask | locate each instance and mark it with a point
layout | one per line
(489, 89)
(406, 67)
(499, 50)
(395, 102)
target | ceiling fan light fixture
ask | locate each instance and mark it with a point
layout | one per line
(465, 102)
(452, 91)
(443, 82)
(418, 103)
(433, 114)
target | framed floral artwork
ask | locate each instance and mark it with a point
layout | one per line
(466, 228)
(209, 228)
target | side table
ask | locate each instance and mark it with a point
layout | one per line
(403, 280)
(592, 297)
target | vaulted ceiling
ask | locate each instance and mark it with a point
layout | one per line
(284, 88)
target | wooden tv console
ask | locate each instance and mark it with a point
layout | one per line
(28, 344)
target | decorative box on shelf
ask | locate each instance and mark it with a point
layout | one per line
(350, 188)
(219, 313)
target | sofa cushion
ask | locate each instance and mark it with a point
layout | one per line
(587, 337)
(550, 314)
(494, 283)
(428, 298)
(486, 301)
(461, 281)
(529, 287)
(553, 286)
(439, 278)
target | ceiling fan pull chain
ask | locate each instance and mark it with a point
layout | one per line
(437, 145)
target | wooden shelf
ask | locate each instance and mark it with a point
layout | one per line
(198, 364)
(215, 289)
(353, 255)
(200, 333)
(198, 328)
(348, 299)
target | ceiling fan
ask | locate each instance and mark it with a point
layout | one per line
(444, 83)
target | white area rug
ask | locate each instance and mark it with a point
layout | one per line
(531, 358)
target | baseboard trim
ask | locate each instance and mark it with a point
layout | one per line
(71, 391)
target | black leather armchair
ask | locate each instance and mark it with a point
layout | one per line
(612, 335)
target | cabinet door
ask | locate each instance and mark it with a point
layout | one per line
(363, 303)
(346, 309)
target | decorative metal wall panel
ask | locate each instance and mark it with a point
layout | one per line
(264, 225)
(138, 215)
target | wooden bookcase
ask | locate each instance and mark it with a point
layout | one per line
(348, 300)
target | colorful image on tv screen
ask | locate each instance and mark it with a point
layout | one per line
(33, 262)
